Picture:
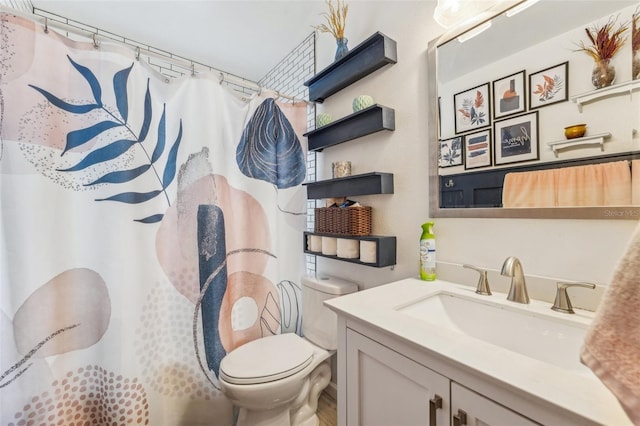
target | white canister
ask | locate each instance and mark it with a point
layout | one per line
(316, 243)
(368, 251)
(329, 246)
(348, 249)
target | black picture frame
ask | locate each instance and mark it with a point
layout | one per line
(516, 139)
(549, 86)
(450, 152)
(477, 149)
(509, 95)
(472, 109)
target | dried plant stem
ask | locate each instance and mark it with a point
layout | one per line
(336, 19)
(606, 40)
(635, 31)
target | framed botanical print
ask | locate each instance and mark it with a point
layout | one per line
(549, 86)
(477, 149)
(509, 95)
(450, 153)
(472, 109)
(516, 139)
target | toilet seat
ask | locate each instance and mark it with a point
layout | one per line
(266, 359)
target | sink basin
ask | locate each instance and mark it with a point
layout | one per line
(518, 328)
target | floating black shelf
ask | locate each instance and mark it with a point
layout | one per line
(364, 122)
(385, 249)
(365, 184)
(370, 55)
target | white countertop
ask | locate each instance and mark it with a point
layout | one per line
(578, 391)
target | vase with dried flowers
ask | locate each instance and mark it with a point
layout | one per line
(606, 41)
(336, 21)
(635, 45)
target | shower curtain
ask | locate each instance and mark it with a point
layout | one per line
(148, 227)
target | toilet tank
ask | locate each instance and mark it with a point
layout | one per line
(319, 323)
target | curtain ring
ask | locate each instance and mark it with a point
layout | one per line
(46, 25)
(193, 70)
(137, 53)
(96, 43)
(221, 78)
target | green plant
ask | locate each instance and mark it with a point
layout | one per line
(606, 40)
(336, 19)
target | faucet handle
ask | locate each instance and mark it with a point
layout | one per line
(562, 302)
(483, 281)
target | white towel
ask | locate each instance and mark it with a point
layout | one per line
(612, 344)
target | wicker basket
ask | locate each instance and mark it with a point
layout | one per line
(344, 221)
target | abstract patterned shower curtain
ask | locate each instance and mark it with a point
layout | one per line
(147, 228)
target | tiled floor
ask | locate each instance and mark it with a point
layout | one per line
(327, 410)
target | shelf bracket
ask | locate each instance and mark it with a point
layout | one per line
(587, 140)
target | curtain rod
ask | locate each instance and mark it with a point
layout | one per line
(186, 66)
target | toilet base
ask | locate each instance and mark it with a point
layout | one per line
(273, 417)
(301, 412)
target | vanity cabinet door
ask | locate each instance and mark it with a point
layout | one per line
(385, 388)
(481, 411)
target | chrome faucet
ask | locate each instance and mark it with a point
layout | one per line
(518, 290)
(483, 283)
(562, 302)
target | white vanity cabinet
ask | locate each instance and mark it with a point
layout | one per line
(386, 388)
(470, 408)
(393, 359)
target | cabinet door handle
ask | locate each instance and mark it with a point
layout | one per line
(434, 404)
(460, 418)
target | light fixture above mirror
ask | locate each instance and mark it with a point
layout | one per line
(453, 13)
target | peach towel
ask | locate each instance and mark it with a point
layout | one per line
(606, 184)
(529, 189)
(612, 345)
(635, 182)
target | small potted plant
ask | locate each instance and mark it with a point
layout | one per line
(336, 21)
(606, 41)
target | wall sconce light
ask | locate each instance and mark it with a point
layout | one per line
(451, 13)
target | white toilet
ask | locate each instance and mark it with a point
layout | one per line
(277, 380)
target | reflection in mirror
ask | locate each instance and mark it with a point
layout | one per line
(503, 93)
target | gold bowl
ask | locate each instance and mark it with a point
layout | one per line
(575, 131)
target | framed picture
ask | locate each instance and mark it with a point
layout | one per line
(450, 152)
(516, 139)
(472, 109)
(549, 86)
(509, 95)
(477, 148)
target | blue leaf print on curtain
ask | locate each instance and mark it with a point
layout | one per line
(115, 149)
(269, 149)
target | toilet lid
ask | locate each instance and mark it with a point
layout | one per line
(266, 359)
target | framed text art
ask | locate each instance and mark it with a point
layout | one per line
(472, 109)
(477, 149)
(549, 86)
(509, 95)
(516, 139)
(450, 153)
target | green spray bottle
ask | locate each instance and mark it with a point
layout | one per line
(427, 253)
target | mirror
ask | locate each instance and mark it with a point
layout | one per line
(514, 52)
